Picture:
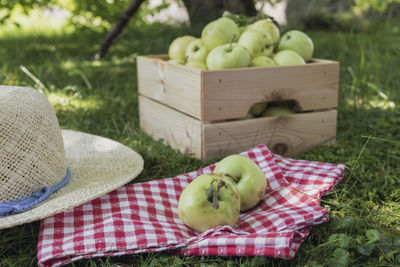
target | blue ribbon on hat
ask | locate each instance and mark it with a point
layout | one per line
(23, 204)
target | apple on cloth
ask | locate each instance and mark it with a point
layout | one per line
(247, 176)
(143, 217)
(209, 201)
(212, 200)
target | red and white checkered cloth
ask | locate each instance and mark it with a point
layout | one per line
(143, 217)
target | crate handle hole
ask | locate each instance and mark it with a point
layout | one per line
(273, 108)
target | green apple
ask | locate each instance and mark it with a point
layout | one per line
(247, 176)
(257, 109)
(257, 42)
(288, 57)
(247, 117)
(275, 111)
(197, 65)
(209, 201)
(242, 29)
(177, 49)
(177, 61)
(196, 51)
(298, 42)
(220, 32)
(262, 61)
(228, 56)
(267, 26)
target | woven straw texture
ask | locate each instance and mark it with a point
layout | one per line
(98, 166)
(31, 147)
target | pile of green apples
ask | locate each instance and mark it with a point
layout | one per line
(237, 184)
(236, 41)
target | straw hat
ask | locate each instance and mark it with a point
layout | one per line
(45, 170)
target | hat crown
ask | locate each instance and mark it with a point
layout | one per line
(31, 146)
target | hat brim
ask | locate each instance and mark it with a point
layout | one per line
(98, 166)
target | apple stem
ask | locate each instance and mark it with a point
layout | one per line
(230, 46)
(213, 193)
(215, 199)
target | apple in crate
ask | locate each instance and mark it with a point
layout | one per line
(268, 27)
(262, 61)
(298, 42)
(277, 111)
(257, 42)
(196, 51)
(242, 29)
(247, 176)
(209, 201)
(177, 61)
(220, 32)
(228, 56)
(197, 65)
(288, 57)
(177, 49)
(257, 109)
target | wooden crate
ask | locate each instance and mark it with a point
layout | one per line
(194, 110)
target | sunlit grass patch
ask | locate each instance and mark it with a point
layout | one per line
(45, 22)
(380, 103)
(63, 101)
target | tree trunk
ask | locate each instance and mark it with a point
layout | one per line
(118, 27)
(204, 11)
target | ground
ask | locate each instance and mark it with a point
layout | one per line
(101, 98)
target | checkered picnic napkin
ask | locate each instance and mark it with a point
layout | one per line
(143, 217)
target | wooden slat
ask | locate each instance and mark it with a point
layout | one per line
(287, 135)
(229, 94)
(177, 129)
(174, 85)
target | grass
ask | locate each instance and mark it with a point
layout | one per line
(101, 98)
